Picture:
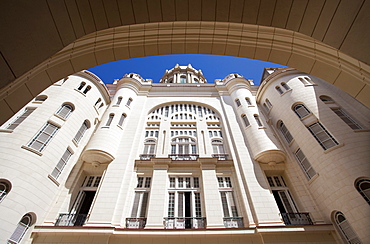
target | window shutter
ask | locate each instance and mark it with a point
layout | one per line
(286, 203)
(225, 206)
(144, 203)
(21, 118)
(180, 204)
(19, 232)
(136, 204)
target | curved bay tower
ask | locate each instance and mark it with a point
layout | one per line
(187, 161)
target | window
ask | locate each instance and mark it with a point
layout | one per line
(20, 119)
(245, 119)
(285, 86)
(119, 100)
(64, 111)
(82, 84)
(183, 147)
(256, 117)
(183, 79)
(87, 89)
(305, 80)
(97, 102)
(322, 136)
(269, 105)
(184, 203)
(81, 131)
(21, 229)
(140, 205)
(237, 101)
(5, 187)
(326, 99)
(229, 208)
(278, 88)
(43, 137)
(345, 229)
(248, 101)
(218, 147)
(149, 147)
(129, 101)
(62, 162)
(123, 117)
(288, 137)
(363, 187)
(346, 118)
(305, 164)
(41, 98)
(109, 121)
(301, 110)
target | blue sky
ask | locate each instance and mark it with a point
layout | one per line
(212, 66)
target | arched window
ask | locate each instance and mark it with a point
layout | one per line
(218, 149)
(285, 85)
(268, 103)
(129, 101)
(109, 121)
(5, 188)
(183, 79)
(259, 123)
(278, 88)
(183, 148)
(248, 100)
(345, 229)
(237, 101)
(97, 102)
(326, 99)
(123, 117)
(21, 229)
(64, 111)
(82, 84)
(20, 119)
(363, 187)
(301, 110)
(87, 89)
(85, 125)
(119, 100)
(245, 119)
(41, 98)
(196, 80)
(288, 137)
(149, 147)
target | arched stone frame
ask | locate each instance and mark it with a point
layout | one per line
(242, 40)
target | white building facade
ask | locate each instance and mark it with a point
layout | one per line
(184, 160)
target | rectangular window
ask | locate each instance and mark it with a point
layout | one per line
(80, 132)
(140, 205)
(20, 119)
(42, 138)
(322, 136)
(62, 162)
(305, 164)
(346, 118)
(245, 119)
(171, 204)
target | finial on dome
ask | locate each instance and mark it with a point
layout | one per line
(177, 66)
(189, 66)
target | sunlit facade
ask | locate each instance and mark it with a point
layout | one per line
(187, 161)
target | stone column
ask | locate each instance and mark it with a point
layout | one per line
(212, 201)
(157, 200)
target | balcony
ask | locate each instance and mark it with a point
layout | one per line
(183, 156)
(146, 156)
(135, 223)
(71, 220)
(233, 222)
(297, 218)
(221, 156)
(184, 223)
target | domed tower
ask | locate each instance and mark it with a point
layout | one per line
(183, 74)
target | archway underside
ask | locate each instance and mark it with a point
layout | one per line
(192, 37)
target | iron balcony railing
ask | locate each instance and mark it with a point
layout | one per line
(71, 220)
(297, 218)
(184, 223)
(233, 222)
(146, 156)
(183, 156)
(220, 156)
(135, 223)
